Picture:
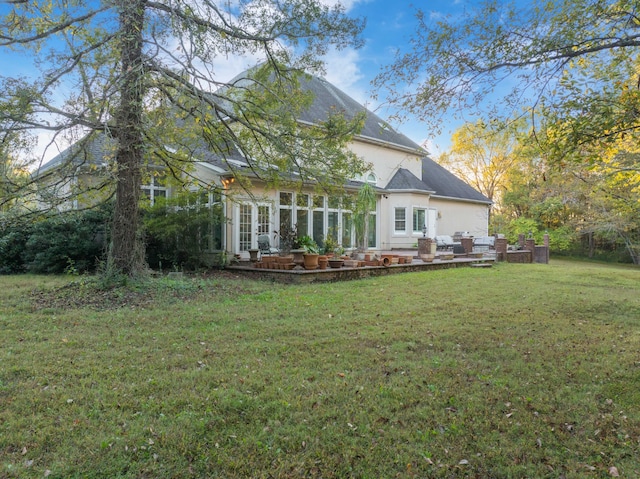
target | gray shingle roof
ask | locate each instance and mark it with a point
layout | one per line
(446, 184)
(405, 180)
(437, 181)
(90, 150)
(328, 98)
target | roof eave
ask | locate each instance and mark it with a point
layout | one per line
(419, 151)
(212, 167)
(465, 200)
(410, 190)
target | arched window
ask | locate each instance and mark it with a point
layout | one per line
(372, 179)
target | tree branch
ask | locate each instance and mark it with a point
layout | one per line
(57, 28)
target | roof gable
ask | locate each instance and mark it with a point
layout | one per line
(405, 180)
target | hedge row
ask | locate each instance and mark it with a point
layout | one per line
(65, 242)
(176, 235)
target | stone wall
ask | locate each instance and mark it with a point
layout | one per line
(519, 256)
(346, 274)
(528, 251)
(541, 254)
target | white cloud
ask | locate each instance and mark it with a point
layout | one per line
(343, 71)
(224, 68)
(347, 4)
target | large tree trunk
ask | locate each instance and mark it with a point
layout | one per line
(126, 254)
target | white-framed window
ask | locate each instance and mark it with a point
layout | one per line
(347, 229)
(400, 220)
(154, 190)
(333, 218)
(245, 224)
(419, 219)
(302, 214)
(319, 216)
(319, 209)
(286, 212)
(424, 217)
(373, 232)
(371, 178)
(264, 220)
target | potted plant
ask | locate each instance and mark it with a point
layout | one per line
(311, 251)
(253, 254)
(290, 243)
(287, 239)
(333, 250)
(330, 245)
(336, 262)
(323, 261)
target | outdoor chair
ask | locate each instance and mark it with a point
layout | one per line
(483, 243)
(445, 243)
(265, 246)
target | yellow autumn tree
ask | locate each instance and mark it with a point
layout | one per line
(482, 154)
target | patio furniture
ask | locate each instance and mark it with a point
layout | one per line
(483, 243)
(445, 243)
(458, 249)
(458, 235)
(265, 246)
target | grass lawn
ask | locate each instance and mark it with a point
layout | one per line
(510, 372)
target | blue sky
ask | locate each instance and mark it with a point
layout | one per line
(390, 24)
(390, 27)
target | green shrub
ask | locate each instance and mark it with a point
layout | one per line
(13, 240)
(600, 246)
(67, 242)
(560, 239)
(180, 230)
(520, 226)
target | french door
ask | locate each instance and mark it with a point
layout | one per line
(253, 220)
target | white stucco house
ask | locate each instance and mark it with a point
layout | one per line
(413, 192)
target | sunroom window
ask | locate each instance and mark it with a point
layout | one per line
(154, 190)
